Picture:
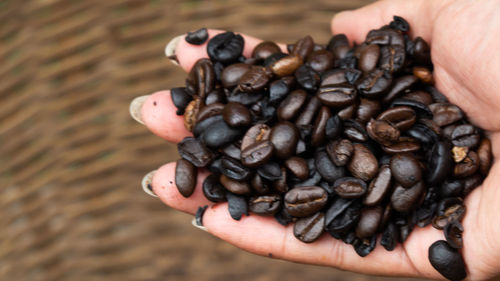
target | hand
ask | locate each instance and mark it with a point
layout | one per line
(465, 41)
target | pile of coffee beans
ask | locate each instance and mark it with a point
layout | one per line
(351, 141)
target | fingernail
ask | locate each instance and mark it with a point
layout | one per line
(147, 183)
(193, 222)
(170, 49)
(198, 218)
(136, 106)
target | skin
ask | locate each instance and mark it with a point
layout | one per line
(465, 40)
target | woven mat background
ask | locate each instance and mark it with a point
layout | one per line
(71, 158)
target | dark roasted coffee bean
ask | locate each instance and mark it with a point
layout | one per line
(254, 79)
(453, 234)
(352, 75)
(236, 115)
(216, 166)
(257, 154)
(213, 190)
(278, 89)
(301, 147)
(382, 132)
(369, 222)
(219, 134)
(258, 132)
(181, 98)
(266, 205)
(283, 217)
(307, 77)
(447, 261)
(236, 187)
(485, 156)
(378, 187)
(320, 60)
(191, 113)
(344, 220)
(305, 200)
(471, 183)
(448, 131)
(338, 206)
(236, 205)
(284, 137)
(280, 184)
(201, 78)
(368, 57)
(349, 187)
(448, 210)
(400, 86)
(374, 84)
(363, 163)
(318, 136)
(468, 166)
(272, 58)
(340, 151)
(325, 167)
(291, 105)
(185, 177)
(337, 95)
(333, 76)
(405, 199)
(420, 96)
(195, 152)
(197, 37)
(367, 110)
(310, 228)
(338, 45)
(421, 109)
(307, 114)
(392, 58)
(401, 117)
(264, 49)
(405, 169)
(404, 145)
(234, 169)
(399, 23)
(245, 98)
(201, 126)
(451, 188)
(259, 185)
(286, 65)
(231, 75)
(422, 52)
(363, 247)
(333, 127)
(348, 112)
(385, 36)
(423, 134)
(465, 135)
(232, 150)
(303, 47)
(226, 47)
(390, 237)
(445, 113)
(270, 171)
(354, 131)
(348, 62)
(209, 111)
(298, 167)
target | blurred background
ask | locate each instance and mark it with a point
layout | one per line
(71, 157)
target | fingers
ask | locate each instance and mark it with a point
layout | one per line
(420, 14)
(187, 54)
(165, 188)
(158, 114)
(264, 236)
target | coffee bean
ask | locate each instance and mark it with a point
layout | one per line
(270, 171)
(298, 167)
(369, 222)
(349, 187)
(291, 105)
(401, 117)
(325, 167)
(213, 190)
(421, 109)
(382, 132)
(453, 234)
(236, 115)
(307, 77)
(303, 47)
(237, 205)
(333, 76)
(340, 151)
(225, 47)
(286, 65)
(220, 134)
(319, 132)
(485, 156)
(256, 78)
(420, 96)
(197, 37)
(354, 131)
(231, 75)
(379, 187)
(374, 84)
(363, 164)
(445, 113)
(399, 23)
(280, 184)
(181, 98)
(284, 137)
(348, 112)
(405, 169)
(405, 199)
(195, 152)
(310, 228)
(390, 237)
(266, 205)
(209, 111)
(236, 187)
(367, 110)
(305, 201)
(259, 185)
(470, 183)
(278, 89)
(342, 218)
(368, 58)
(338, 45)
(333, 127)
(468, 166)
(264, 49)
(465, 135)
(234, 169)
(257, 154)
(337, 95)
(447, 261)
(404, 145)
(258, 132)
(320, 60)
(201, 78)
(423, 133)
(440, 163)
(191, 113)
(185, 177)
(451, 188)
(392, 58)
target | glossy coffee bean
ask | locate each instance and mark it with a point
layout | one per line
(349, 187)
(220, 134)
(384, 36)
(451, 188)
(440, 163)
(231, 75)
(354, 131)
(333, 76)
(453, 234)
(367, 110)
(237, 205)
(185, 177)
(197, 37)
(308, 78)
(337, 95)
(236, 115)
(392, 58)
(291, 105)
(465, 135)
(405, 199)
(278, 89)
(447, 261)
(318, 136)
(232, 150)
(325, 167)
(298, 167)
(286, 66)
(403, 145)
(195, 152)
(369, 222)
(259, 185)
(340, 151)
(264, 49)
(270, 171)
(390, 237)
(303, 47)
(485, 156)
(236, 187)
(368, 57)
(310, 228)
(213, 190)
(363, 163)
(342, 216)
(420, 96)
(201, 78)
(284, 137)
(406, 169)
(266, 205)
(181, 98)
(401, 117)
(445, 113)
(379, 187)
(382, 132)
(421, 109)
(258, 132)
(234, 169)
(257, 154)
(320, 60)
(338, 45)
(374, 84)
(468, 166)
(254, 79)
(305, 201)
(333, 127)
(225, 47)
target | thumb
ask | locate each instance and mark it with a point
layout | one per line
(420, 14)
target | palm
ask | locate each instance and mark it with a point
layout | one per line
(458, 74)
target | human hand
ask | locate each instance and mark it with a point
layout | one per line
(463, 36)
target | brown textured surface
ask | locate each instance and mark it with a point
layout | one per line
(71, 158)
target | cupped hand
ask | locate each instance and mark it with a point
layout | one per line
(465, 47)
